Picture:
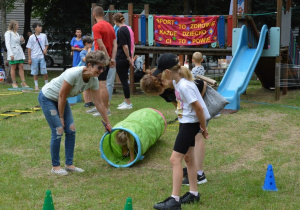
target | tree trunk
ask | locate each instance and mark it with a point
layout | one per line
(27, 15)
(3, 30)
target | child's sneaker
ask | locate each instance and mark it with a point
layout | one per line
(169, 203)
(201, 179)
(189, 198)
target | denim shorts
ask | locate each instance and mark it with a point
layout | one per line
(38, 64)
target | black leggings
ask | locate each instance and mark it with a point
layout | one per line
(122, 71)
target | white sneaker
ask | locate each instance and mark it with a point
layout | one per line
(79, 170)
(125, 106)
(97, 114)
(218, 115)
(121, 104)
(93, 110)
(61, 172)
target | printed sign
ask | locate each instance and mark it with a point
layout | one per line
(170, 30)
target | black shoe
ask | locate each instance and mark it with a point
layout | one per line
(168, 204)
(185, 172)
(89, 104)
(201, 179)
(190, 198)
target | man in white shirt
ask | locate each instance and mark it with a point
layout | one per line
(37, 49)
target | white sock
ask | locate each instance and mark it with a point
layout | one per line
(200, 173)
(195, 193)
(36, 83)
(176, 197)
(46, 81)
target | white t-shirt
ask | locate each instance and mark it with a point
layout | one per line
(35, 47)
(186, 93)
(73, 76)
(198, 70)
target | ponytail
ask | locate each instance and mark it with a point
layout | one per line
(186, 73)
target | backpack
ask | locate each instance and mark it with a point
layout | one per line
(4, 46)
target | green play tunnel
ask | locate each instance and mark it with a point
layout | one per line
(145, 125)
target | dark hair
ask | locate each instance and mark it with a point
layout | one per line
(87, 39)
(34, 25)
(98, 11)
(151, 84)
(119, 17)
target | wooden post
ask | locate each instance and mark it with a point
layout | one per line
(234, 13)
(131, 68)
(146, 8)
(110, 14)
(278, 59)
(130, 14)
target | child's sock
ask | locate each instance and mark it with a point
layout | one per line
(46, 81)
(195, 193)
(176, 197)
(36, 83)
(200, 173)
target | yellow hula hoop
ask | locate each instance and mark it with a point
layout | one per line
(8, 94)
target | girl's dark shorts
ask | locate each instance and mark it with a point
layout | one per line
(186, 137)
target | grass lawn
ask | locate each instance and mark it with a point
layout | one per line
(240, 147)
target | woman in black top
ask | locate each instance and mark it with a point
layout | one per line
(155, 85)
(123, 58)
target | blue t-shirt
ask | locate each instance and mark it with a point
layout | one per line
(82, 55)
(116, 28)
(76, 54)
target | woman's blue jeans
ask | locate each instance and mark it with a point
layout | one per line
(50, 110)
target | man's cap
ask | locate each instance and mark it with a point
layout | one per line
(165, 61)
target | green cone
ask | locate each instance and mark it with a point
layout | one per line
(48, 203)
(128, 205)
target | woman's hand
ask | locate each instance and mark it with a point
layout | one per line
(62, 120)
(112, 63)
(109, 127)
(12, 57)
(131, 62)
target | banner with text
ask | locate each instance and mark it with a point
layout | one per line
(170, 30)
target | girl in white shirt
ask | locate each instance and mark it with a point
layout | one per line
(192, 115)
(15, 54)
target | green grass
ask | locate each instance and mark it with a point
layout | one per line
(240, 147)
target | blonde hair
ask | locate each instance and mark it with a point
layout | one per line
(12, 26)
(183, 72)
(197, 57)
(122, 137)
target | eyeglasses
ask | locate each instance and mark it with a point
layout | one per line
(100, 68)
